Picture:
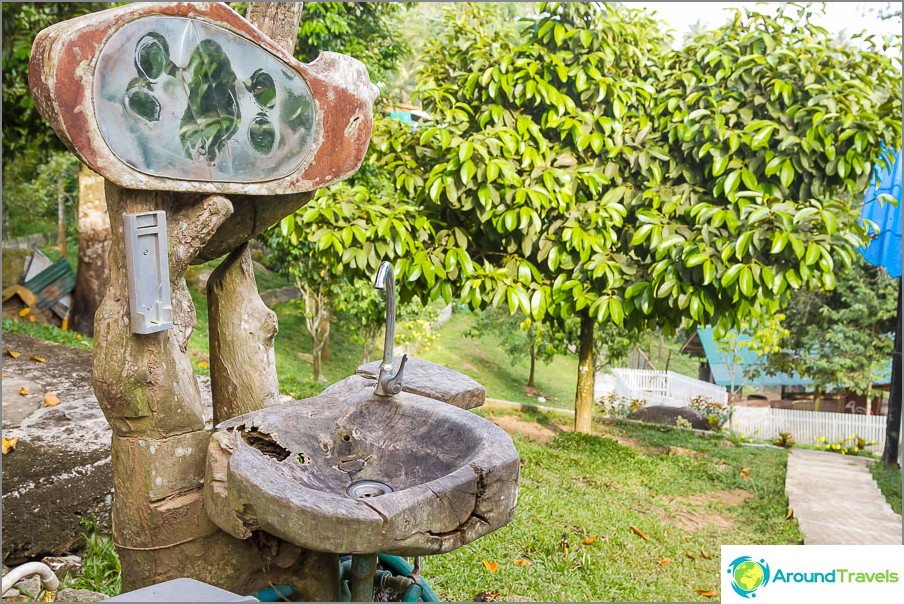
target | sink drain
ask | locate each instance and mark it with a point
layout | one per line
(365, 489)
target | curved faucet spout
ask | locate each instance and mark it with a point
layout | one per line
(388, 384)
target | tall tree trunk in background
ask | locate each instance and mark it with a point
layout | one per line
(891, 454)
(533, 364)
(93, 247)
(317, 321)
(583, 400)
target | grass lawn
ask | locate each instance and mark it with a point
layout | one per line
(597, 487)
(483, 359)
(889, 481)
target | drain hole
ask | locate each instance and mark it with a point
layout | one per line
(346, 437)
(366, 489)
(265, 444)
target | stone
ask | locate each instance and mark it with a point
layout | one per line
(64, 565)
(280, 295)
(433, 381)
(30, 586)
(70, 594)
(660, 414)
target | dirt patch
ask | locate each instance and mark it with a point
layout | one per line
(536, 432)
(679, 515)
(692, 521)
(735, 497)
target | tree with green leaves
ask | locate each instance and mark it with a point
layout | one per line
(588, 173)
(841, 338)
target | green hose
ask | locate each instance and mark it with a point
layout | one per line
(400, 566)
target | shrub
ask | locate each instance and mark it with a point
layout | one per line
(852, 445)
(784, 439)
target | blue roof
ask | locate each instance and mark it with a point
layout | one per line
(884, 248)
(719, 366)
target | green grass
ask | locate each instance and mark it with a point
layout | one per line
(593, 487)
(484, 360)
(48, 333)
(100, 564)
(889, 480)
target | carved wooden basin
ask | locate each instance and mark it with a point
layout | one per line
(314, 472)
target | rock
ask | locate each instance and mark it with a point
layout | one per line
(659, 414)
(79, 595)
(60, 470)
(64, 565)
(30, 586)
(282, 294)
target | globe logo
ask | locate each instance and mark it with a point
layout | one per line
(748, 575)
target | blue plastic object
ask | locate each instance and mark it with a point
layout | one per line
(885, 247)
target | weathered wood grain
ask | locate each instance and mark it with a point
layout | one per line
(434, 381)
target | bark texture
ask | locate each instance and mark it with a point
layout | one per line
(583, 400)
(93, 247)
(242, 330)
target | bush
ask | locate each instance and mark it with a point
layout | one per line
(784, 439)
(852, 445)
(717, 414)
(620, 407)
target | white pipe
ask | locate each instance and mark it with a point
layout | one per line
(48, 577)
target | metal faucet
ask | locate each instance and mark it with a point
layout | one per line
(386, 385)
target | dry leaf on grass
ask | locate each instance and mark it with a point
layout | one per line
(522, 561)
(691, 556)
(10, 445)
(491, 566)
(24, 311)
(589, 541)
(23, 391)
(707, 593)
(38, 359)
(31, 318)
(640, 533)
(790, 514)
(664, 561)
(51, 400)
(12, 353)
(705, 554)
(745, 473)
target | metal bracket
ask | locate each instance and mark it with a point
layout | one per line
(147, 265)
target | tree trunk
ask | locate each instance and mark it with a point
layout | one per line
(369, 335)
(93, 247)
(242, 331)
(583, 401)
(279, 20)
(533, 365)
(61, 218)
(317, 322)
(891, 453)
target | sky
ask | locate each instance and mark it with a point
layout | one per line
(847, 16)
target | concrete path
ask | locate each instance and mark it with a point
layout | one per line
(837, 502)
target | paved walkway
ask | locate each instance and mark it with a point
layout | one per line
(837, 502)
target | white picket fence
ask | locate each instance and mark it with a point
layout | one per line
(807, 426)
(664, 387)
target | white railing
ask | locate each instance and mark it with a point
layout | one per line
(665, 387)
(807, 426)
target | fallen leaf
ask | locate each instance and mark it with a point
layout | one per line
(4, 375)
(202, 365)
(522, 561)
(13, 354)
(487, 596)
(51, 400)
(664, 561)
(31, 318)
(38, 359)
(10, 445)
(23, 391)
(705, 555)
(691, 556)
(790, 514)
(491, 566)
(589, 541)
(707, 593)
(24, 311)
(640, 533)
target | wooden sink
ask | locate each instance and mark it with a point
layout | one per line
(288, 470)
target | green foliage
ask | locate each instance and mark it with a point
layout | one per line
(784, 439)
(48, 333)
(33, 182)
(717, 414)
(843, 338)
(100, 563)
(367, 31)
(518, 336)
(889, 480)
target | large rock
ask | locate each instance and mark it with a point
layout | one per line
(60, 470)
(661, 414)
